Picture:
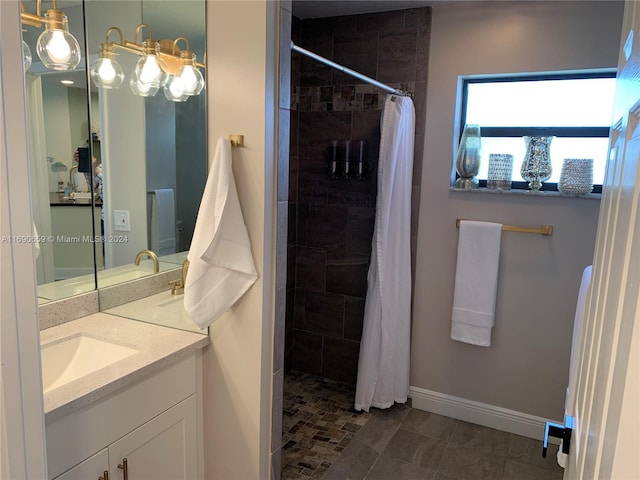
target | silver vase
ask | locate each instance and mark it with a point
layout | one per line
(468, 157)
(536, 167)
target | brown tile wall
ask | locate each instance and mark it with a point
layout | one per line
(331, 219)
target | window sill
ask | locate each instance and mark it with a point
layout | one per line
(526, 193)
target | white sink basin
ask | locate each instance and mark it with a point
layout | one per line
(76, 356)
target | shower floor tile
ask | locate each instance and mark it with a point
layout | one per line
(317, 425)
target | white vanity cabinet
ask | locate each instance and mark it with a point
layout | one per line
(152, 424)
(92, 468)
(164, 448)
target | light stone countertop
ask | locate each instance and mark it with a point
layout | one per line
(159, 347)
(161, 309)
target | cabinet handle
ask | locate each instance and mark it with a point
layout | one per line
(125, 468)
(105, 476)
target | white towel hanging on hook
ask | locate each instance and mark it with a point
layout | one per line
(221, 266)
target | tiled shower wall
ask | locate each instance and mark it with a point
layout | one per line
(331, 219)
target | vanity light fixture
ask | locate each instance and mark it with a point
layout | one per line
(105, 71)
(150, 69)
(56, 47)
(162, 64)
(186, 80)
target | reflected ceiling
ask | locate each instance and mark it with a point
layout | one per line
(330, 8)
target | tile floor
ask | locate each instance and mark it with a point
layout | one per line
(318, 422)
(323, 438)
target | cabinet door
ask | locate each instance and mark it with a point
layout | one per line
(91, 469)
(163, 448)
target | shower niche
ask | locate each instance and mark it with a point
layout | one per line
(348, 159)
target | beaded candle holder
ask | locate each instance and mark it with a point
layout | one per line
(500, 170)
(576, 177)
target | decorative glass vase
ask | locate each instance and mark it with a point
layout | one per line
(536, 167)
(576, 177)
(468, 157)
(500, 170)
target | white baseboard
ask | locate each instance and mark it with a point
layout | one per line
(479, 413)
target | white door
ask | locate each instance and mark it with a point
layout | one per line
(162, 448)
(606, 433)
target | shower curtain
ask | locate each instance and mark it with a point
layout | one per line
(39, 169)
(383, 365)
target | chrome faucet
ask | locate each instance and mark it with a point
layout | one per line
(177, 287)
(72, 178)
(152, 256)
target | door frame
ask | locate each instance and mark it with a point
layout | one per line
(23, 451)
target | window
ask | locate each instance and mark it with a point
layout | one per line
(574, 108)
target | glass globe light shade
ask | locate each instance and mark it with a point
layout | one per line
(142, 89)
(192, 79)
(150, 69)
(26, 56)
(106, 73)
(56, 47)
(174, 90)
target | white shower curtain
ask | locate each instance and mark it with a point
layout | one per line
(383, 366)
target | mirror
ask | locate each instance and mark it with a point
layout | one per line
(150, 152)
(57, 114)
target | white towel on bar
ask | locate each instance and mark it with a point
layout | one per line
(221, 266)
(474, 299)
(578, 323)
(163, 222)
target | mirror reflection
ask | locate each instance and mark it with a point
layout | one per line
(58, 124)
(110, 164)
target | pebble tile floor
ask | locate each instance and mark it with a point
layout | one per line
(324, 438)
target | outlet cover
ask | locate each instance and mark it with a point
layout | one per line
(121, 220)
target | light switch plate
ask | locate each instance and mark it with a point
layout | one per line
(121, 220)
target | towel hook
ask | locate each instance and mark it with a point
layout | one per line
(236, 140)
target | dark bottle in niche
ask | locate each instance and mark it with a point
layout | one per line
(333, 159)
(346, 166)
(360, 168)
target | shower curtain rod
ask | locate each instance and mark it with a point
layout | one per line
(348, 71)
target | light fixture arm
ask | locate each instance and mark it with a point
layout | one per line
(31, 19)
(139, 29)
(175, 50)
(114, 29)
(106, 48)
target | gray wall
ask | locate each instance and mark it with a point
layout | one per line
(526, 368)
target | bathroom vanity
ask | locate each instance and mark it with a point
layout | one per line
(122, 399)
